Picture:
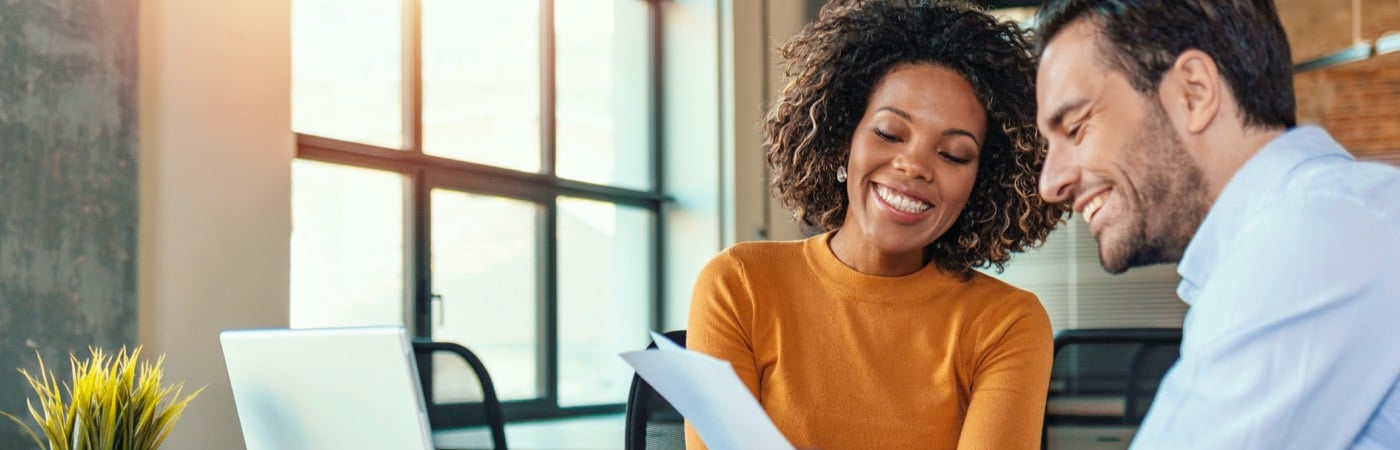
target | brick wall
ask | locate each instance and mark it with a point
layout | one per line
(1359, 103)
(1320, 27)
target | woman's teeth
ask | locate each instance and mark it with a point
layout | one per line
(901, 202)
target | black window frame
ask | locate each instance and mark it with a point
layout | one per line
(424, 172)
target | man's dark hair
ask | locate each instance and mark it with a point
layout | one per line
(1143, 38)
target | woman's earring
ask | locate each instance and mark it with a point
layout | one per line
(841, 174)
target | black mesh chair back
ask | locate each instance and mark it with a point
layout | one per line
(484, 411)
(1102, 384)
(652, 423)
(1150, 364)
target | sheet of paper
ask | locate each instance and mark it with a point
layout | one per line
(707, 393)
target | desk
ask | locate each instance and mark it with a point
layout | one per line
(1086, 405)
(579, 433)
(1087, 422)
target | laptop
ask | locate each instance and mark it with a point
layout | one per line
(329, 388)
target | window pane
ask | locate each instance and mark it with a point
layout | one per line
(604, 298)
(346, 68)
(481, 99)
(347, 246)
(485, 267)
(603, 109)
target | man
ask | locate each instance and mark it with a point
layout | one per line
(1171, 130)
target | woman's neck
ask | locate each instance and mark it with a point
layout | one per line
(851, 249)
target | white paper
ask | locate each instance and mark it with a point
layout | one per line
(707, 393)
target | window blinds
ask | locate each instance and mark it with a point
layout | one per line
(1077, 293)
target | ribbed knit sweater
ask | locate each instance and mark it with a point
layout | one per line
(844, 360)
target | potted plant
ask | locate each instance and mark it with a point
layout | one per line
(110, 405)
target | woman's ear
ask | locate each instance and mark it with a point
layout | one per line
(1192, 90)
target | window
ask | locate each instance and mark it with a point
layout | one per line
(487, 173)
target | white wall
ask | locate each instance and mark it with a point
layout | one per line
(785, 18)
(215, 194)
(751, 75)
(744, 98)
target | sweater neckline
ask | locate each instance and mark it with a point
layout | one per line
(923, 285)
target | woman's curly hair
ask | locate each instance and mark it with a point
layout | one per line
(833, 65)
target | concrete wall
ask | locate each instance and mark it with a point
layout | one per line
(68, 186)
(216, 153)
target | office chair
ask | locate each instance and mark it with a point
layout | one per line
(1102, 384)
(485, 412)
(652, 423)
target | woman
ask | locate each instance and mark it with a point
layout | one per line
(906, 133)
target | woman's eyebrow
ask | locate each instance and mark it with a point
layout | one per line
(962, 132)
(948, 132)
(897, 112)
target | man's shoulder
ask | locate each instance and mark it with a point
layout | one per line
(1307, 167)
(1360, 190)
(1325, 214)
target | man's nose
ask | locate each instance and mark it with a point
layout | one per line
(1059, 175)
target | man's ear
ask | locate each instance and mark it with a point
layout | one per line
(1192, 90)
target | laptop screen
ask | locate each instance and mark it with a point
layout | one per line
(332, 388)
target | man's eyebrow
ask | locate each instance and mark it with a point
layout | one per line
(1063, 110)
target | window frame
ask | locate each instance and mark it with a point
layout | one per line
(423, 173)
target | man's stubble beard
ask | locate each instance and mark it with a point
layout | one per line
(1171, 201)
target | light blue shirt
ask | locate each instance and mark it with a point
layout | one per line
(1292, 340)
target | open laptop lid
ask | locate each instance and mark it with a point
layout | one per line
(332, 388)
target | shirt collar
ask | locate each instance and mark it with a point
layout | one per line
(1243, 195)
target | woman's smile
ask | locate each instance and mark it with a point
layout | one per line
(905, 208)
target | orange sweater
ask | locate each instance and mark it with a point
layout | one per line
(844, 360)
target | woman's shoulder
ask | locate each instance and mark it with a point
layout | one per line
(1002, 309)
(995, 293)
(759, 253)
(983, 282)
(748, 257)
(759, 249)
